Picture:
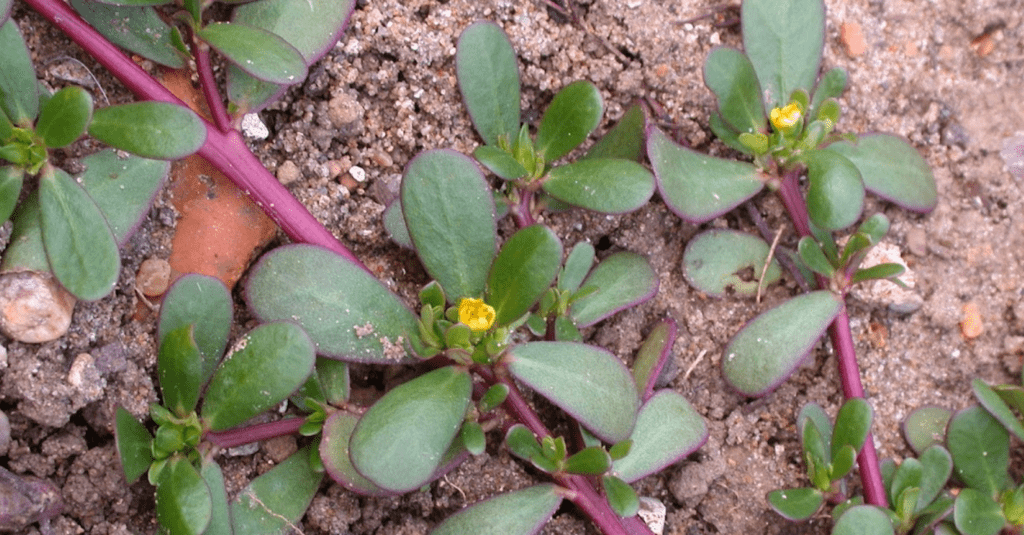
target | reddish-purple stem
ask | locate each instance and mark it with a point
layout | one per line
(254, 433)
(209, 84)
(842, 343)
(225, 150)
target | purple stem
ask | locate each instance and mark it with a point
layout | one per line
(254, 433)
(521, 211)
(225, 150)
(842, 343)
(209, 84)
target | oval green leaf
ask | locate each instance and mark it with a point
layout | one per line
(19, 94)
(720, 261)
(606, 185)
(573, 114)
(936, 467)
(813, 257)
(133, 445)
(587, 382)
(349, 314)
(769, 348)
(976, 513)
(590, 461)
(401, 440)
(624, 140)
(998, 408)
(653, 355)
(220, 518)
(136, 28)
(64, 117)
(394, 223)
(730, 76)
(796, 504)
(180, 369)
(11, 180)
(499, 162)
(621, 497)
(863, 520)
(577, 265)
(275, 501)
(853, 423)
(521, 512)
(667, 429)
(488, 75)
(449, 211)
(892, 169)
(784, 40)
(150, 129)
(622, 280)
(926, 426)
(697, 187)
(835, 198)
(830, 86)
(523, 270)
(79, 245)
(274, 60)
(183, 502)
(263, 368)
(334, 452)
(980, 447)
(123, 188)
(205, 303)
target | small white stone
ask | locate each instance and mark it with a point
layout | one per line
(652, 512)
(358, 173)
(253, 127)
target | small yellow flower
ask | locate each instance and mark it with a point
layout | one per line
(479, 316)
(785, 118)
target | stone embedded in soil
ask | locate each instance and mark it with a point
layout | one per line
(288, 172)
(34, 308)
(852, 36)
(153, 277)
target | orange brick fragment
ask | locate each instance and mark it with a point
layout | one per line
(852, 37)
(971, 325)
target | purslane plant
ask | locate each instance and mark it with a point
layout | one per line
(773, 107)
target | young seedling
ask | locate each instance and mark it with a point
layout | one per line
(771, 109)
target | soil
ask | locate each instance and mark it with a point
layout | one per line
(946, 74)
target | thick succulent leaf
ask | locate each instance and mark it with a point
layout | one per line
(577, 265)
(622, 280)
(205, 303)
(573, 114)
(11, 180)
(5, 10)
(263, 368)
(730, 76)
(813, 413)
(26, 251)
(499, 162)
(133, 445)
(863, 520)
(926, 426)
(769, 348)
(796, 504)
(488, 75)
(79, 245)
(980, 447)
(621, 497)
(853, 423)
(997, 407)
(726, 134)
(907, 476)
(220, 517)
(249, 94)
(625, 140)
(333, 376)
(653, 355)
(138, 29)
(976, 513)
(123, 188)
(1013, 395)
(449, 212)
(19, 95)
(180, 369)
(606, 185)
(349, 314)
(183, 502)
(831, 85)
(892, 169)
(521, 512)
(936, 467)
(64, 117)
(394, 223)
(587, 382)
(401, 440)
(721, 261)
(523, 270)
(695, 186)
(275, 501)
(334, 452)
(835, 198)
(813, 257)
(667, 429)
(784, 40)
(274, 60)
(150, 129)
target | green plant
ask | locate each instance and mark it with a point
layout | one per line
(773, 108)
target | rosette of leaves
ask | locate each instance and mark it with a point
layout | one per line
(774, 108)
(471, 327)
(205, 391)
(72, 227)
(608, 179)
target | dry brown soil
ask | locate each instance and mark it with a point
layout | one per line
(920, 77)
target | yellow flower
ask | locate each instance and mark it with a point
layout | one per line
(479, 316)
(785, 118)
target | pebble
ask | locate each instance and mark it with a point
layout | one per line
(882, 292)
(253, 127)
(153, 277)
(288, 172)
(852, 36)
(358, 173)
(917, 241)
(280, 448)
(345, 113)
(652, 511)
(971, 326)
(34, 308)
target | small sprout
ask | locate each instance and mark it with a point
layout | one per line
(476, 314)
